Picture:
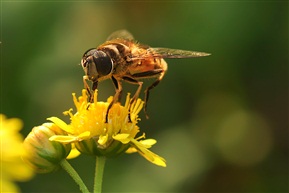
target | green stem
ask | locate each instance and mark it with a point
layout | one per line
(99, 167)
(70, 170)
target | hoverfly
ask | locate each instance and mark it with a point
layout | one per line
(121, 58)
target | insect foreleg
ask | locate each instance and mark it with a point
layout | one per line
(86, 86)
(94, 85)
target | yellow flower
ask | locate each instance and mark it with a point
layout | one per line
(91, 135)
(12, 166)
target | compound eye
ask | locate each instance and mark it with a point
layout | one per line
(103, 63)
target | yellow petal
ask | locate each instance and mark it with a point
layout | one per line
(123, 138)
(131, 150)
(84, 135)
(148, 143)
(152, 157)
(147, 154)
(14, 124)
(8, 186)
(63, 138)
(60, 124)
(158, 160)
(73, 153)
(102, 139)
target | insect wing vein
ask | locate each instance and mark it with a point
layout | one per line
(175, 53)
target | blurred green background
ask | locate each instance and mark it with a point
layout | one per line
(221, 121)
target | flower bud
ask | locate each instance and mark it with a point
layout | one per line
(42, 154)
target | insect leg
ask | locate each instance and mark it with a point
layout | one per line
(147, 91)
(135, 96)
(117, 86)
(153, 73)
(118, 91)
(133, 81)
(94, 85)
(86, 86)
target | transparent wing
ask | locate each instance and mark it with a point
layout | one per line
(121, 34)
(175, 53)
